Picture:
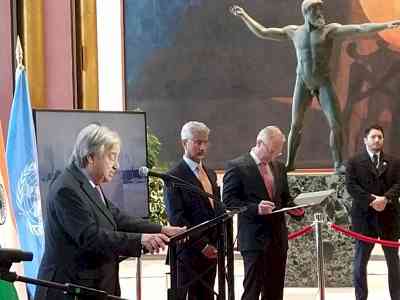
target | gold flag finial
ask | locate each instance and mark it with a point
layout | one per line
(19, 54)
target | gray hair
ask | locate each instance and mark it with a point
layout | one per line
(93, 139)
(192, 127)
(307, 4)
(270, 132)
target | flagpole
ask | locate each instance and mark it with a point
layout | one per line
(21, 153)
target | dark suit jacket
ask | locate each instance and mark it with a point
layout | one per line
(244, 186)
(84, 237)
(185, 208)
(362, 180)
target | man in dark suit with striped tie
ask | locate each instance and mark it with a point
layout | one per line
(185, 208)
(373, 181)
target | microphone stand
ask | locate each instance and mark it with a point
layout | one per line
(192, 188)
(77, 291)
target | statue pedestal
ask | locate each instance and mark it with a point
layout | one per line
(301, 270)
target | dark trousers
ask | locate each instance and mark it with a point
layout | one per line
(362, 254)
(189, 267)
(265, 271)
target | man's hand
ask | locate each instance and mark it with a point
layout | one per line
(379, 203)
(394, 25)
(237, 11)
(154, 241)
(265, 207)
(210, 251)
(172, 230)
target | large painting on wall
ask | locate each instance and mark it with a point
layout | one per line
(192, 60)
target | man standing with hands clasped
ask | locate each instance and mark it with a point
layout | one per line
(258, 181)
(373, 181)
(186, 208)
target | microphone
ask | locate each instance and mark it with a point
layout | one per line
(145, 172)
(8, 255)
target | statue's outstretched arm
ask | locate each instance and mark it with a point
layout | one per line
(354, 30)
(259, 30)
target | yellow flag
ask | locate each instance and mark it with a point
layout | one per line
(8, 230)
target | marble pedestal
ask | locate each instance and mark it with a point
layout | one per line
(302, 263)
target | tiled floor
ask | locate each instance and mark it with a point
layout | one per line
(154, 281)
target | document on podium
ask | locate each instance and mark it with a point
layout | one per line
(308, 199)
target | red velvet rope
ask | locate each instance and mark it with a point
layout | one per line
(364, 238)
(303, 231)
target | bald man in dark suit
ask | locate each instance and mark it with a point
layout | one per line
(258, 181)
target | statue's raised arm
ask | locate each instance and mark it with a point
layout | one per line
(313, 44)
(279, 34)
(356, 30)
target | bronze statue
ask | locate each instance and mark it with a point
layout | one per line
(313, 42)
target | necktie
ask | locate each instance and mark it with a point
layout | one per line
(205, 182)
(375, 160)
(100, 193)
(268, 179)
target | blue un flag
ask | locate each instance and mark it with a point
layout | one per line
(23, 172)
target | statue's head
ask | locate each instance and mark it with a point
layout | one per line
(312, 12)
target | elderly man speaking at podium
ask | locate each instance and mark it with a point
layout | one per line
(85, 234)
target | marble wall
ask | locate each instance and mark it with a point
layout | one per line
(338, 249)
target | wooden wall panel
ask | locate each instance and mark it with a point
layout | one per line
(6, 66)
(33, 45)
(59, 85)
